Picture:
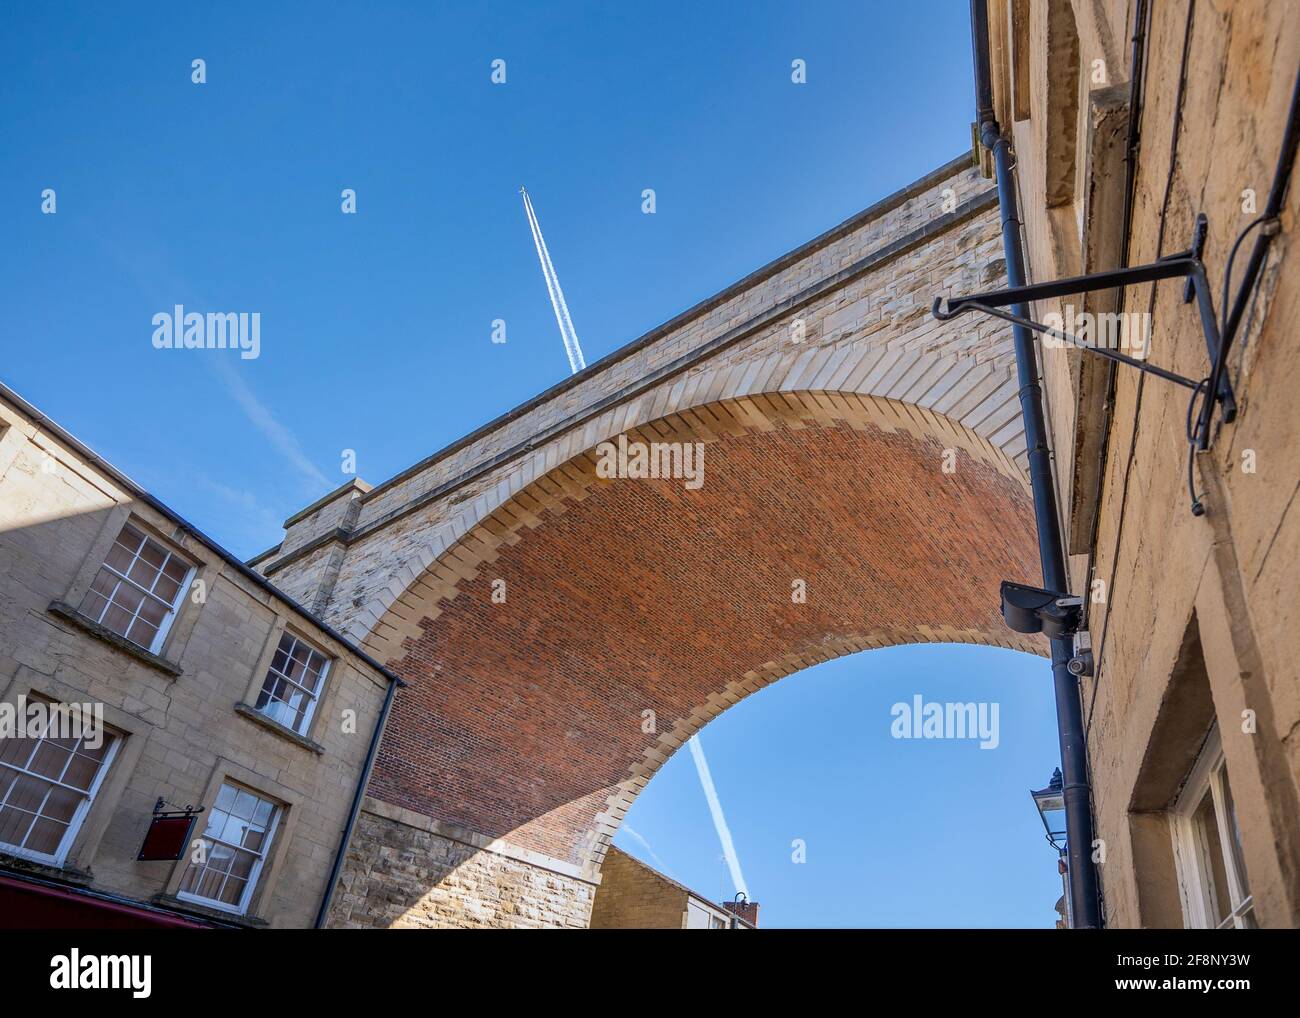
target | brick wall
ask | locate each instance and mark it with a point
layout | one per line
(746, 910)
(526, 720)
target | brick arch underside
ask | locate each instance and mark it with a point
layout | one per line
(523, 720)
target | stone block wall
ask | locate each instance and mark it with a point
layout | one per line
(633, 896)
(406, 872)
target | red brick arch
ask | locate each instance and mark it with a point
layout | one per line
(525, 720)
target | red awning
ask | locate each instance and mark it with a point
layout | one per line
(25, 905)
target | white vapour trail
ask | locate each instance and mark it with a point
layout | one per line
(640, 840)
(719, 821)
(567, 332)
(280, 437)
(576, 364)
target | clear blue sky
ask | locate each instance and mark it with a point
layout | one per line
(376, 326)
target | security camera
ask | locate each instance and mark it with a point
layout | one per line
(1035, 610)
(1081, 664)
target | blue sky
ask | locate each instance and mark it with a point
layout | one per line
(897, 832)
(376, 326)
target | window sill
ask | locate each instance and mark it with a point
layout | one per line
(62, 874)
(177, 904)
(284, 731)
(84, 622)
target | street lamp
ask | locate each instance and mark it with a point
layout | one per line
(1051, 810)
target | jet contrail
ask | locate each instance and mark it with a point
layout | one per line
(640, 839)
(719, 821)
(576, 364)
(567, 333)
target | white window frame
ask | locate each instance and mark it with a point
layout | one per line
(1195, 883)
(314, 698)
(259, 857)
(165, 626)
(60, 854)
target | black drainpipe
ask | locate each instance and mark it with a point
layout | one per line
(341, 853)
(1069, 713)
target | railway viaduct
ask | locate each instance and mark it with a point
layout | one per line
(563, 632)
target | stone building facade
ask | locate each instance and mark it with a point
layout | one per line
(633, 896)
(1129, 120)
(215, 691)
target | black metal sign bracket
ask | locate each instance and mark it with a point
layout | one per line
(160, 809)
(1186, 265)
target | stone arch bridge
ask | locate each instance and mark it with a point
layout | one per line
(851, 442)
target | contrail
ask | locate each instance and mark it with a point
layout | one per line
(576, 364)
(639, 839)
(280, 437)
(157, 276)
(567, 333)
(719, 821)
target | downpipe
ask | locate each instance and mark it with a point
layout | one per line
(358, 797)
(1084, 899)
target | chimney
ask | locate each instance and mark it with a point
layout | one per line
(747, 910)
